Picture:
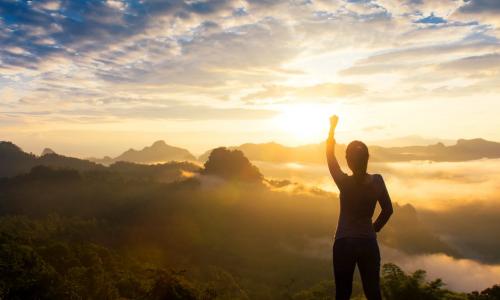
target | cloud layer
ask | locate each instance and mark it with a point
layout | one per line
(83, 59)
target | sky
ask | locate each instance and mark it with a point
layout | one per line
(93, 78)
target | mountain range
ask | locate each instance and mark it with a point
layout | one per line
(159, 151)
(462, 150)
(13, 160)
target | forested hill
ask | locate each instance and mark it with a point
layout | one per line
(14, 161)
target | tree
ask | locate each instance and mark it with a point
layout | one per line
(231, 164)
(491, 293)
(398, 285)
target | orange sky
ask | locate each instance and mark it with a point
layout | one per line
(97, 81)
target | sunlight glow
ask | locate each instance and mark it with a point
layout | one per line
(306, 123)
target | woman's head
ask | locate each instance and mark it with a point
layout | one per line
(357, 157)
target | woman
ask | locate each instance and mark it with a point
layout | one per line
(355, 238)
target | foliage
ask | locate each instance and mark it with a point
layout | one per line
(231, 164)
(125, 232)
(40, 259)
(491, 293)
(396, 284)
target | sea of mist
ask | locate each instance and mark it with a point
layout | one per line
(458, 201)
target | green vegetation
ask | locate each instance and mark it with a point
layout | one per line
(148, 232)
(64, 258)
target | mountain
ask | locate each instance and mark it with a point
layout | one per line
(231, 165)
(47, 151)
(275, 152)
(159, 151)
(462, 150)
(414, 140)
(14, 161)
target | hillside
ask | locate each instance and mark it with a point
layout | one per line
(135, 231)
(14, 161)
(108, 228)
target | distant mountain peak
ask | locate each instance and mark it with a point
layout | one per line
(47, 151)
(159, 143)
(158, 152)
(471, 141)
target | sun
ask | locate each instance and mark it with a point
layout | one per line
(306, 123)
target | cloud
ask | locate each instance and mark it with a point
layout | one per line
(74, 54)
(423, 57)
(480, 6)
(467, 227)
(215, 57)
(440, 70)
(419, 8)
(487, 63)
(152, 112)
(81, 27)
(463, 275)
(49, 5)
(185, 112)
(456, 201)
(326, 90)
(486, 11)
(432, 53)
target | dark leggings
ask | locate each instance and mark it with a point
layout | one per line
(347, 252)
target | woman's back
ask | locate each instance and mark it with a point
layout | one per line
(357, 205)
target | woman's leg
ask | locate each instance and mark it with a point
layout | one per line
(369, 268)
(344, 262)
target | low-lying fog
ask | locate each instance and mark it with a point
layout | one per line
(433, 185)
(458, 201)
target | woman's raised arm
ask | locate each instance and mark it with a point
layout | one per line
(333, 165)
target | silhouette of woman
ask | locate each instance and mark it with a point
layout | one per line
(355, 238)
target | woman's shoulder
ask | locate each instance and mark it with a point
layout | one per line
(370, 178)
(377, 178)
(378, 181)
